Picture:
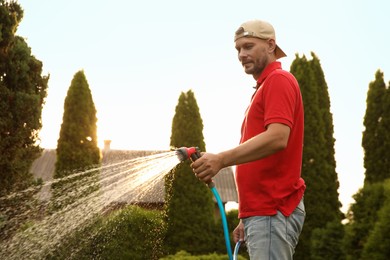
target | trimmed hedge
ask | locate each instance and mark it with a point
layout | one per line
(132, 232)
(129, 233)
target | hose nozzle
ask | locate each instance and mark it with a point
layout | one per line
(193, 153)
(184, 153)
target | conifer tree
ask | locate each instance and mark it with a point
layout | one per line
(318, 162)
(77, 148)
(371, 204)
(375, 135)
(189, 204)
(23, 90)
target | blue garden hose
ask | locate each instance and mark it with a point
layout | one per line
(236, 248)
(224, 222)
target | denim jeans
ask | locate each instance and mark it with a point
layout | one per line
(274, 237)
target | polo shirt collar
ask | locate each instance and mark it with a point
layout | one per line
(270, 67)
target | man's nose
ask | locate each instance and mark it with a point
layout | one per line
(242, 55)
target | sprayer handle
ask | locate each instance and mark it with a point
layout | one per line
(196, 155)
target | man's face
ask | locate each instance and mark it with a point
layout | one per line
(253, 54)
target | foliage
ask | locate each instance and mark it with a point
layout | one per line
(22, 94)
(376, 136)
(18, 210)
(364, 234)
(187, 124)
(129, 233)
(11, 15)
(232, 219)
(318, 162)
(189, 206)
(183, 255)
(362, 216)
(77, 145)
(325, 243)
(378, 242)
(77, 148)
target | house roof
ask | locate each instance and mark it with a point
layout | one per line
(43, 168)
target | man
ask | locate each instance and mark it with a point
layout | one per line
(269, 157)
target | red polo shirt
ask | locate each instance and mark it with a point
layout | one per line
(273, 183)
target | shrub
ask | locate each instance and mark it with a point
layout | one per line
(183, 255)
(129, 233)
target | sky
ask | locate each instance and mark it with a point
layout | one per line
(139, 56)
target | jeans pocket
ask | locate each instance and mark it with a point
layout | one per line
(295, 224)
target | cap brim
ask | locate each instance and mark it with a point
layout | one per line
(279, 53)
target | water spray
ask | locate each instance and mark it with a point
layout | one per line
(193, 153)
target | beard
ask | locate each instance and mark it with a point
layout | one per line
(256, 67)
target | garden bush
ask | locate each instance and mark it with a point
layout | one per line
(128, 233)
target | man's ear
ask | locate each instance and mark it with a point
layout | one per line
(271, 46)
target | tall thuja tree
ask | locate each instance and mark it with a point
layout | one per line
(364, 213)
(375, 140)
(384, 128)
(189, 205)
(384, 131)
(23, 90)
(329, 150)
(318, 164)
(324, 238)
(311, 154)
(77, 148)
